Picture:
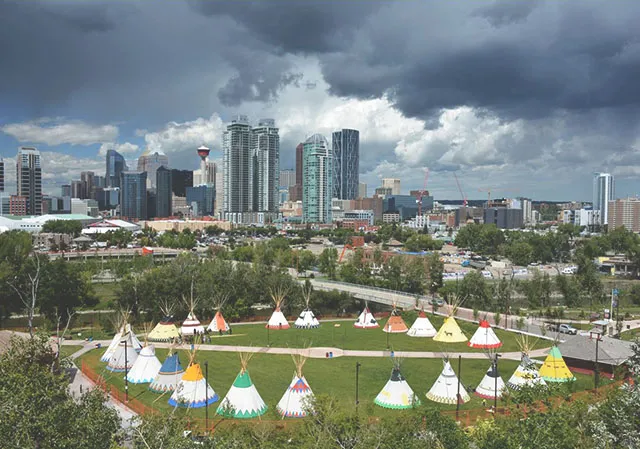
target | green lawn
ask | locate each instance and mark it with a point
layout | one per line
(630, 335)
(66, 351)
(342, 334)
(106, 294)
(272, 374)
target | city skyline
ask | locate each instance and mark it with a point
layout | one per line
(540, 125)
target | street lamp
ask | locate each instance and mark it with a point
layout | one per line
(495, 373)
(206, 397)
(126, 373)
(357, 382)
(458, 393)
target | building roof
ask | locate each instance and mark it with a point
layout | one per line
(611, 351)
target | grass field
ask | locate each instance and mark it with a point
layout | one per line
(630, 335)
(272, 374)
(66, 351)
(106, 294)
(342, 334)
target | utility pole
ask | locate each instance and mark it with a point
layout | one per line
(126, 373)
(357, 383)
(206, 397)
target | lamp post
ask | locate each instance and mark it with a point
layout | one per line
(268, 343)
(206, 397)
(596, 372)
(388, 332)
(458, 393)
(495, 372)
(126, 373)
(357, 384)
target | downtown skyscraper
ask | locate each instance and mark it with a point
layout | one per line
(133, 195)
(603, 192)
(29, 179)
(115, 166)
(251, 165)
(1, 174)
(346, 163)
(317, 170)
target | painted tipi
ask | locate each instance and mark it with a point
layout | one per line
(243, 400)
(450, 332)
(306, 319)
(396, 394)
(125, 354)
(191, 326)
(169, 375)
(484, 337)
(422, 327)
(395, 324)
(278, 320)
(554, 369)
(366, 320)
(491, 385)
(193, 391)
(119, 322)
(146, 367)
(165, 330)
(445, 388)
(218, 324)
(525, 373)
(295, 402)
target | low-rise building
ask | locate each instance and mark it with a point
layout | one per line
(181, 225)
(46, 239)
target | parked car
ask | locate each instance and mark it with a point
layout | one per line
(563, 328)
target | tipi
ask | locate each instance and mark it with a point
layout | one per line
(125, 354)
(119, 322)
(491, 385)
(295, 401)
(165, 330)
(422, 327)
(484, 337)
(395, 324)
(278, 320)
(366, 319)
(146, 367)
(307, 320)
(554, 369)
(191, 325)
(450, 332)
(525, 373)
(193, 391)
(243, 399)
(396, 394)
(445, 389)
(169, 375)
(218, 324)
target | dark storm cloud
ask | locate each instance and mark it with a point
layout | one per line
(505, 12)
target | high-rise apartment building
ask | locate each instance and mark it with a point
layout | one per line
(603, 192)
(1, 174)
(150, 162)
(65, 189)
(29, 179)
(115, 166)
(317, 189)
(163, 192)
(345, 146)
(86, 178)
(362, 190)
(133, 195)
(237, 156)
(287, 178)
(251, 169)
(295, 191)
(624, 213)
(393, 184)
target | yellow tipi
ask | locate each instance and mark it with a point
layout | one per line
(450, 332)
(554, 369)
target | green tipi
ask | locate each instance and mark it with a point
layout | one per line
(243, 400)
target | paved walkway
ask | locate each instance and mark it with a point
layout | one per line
(321, 352)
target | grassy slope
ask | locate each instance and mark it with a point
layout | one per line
(272, 374)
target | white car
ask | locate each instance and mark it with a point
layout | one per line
(487, 274)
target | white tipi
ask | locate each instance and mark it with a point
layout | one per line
(243, 400)
(445, 388)
(193, 391)
(491, 384)
(526, 373)
(146, 367)
(484, 337)
(125, 354)
(397, 394)
(218, 324)
(307, 320)
(366, 319)
(119, 322)
(422, 327)
(191, 326)
(296, 400)
(278, 320)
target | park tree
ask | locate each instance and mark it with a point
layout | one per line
(63, 289)
(71, 227)
(568, 287)
(474, 288)
(328, 262)
(435, 272)
(305, 260)
(520, 253)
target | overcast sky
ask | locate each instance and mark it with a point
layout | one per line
(526, 98)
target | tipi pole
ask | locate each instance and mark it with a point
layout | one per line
(458, 394)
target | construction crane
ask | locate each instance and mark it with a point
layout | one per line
(464, 197)
(488, 191)
(422, 192)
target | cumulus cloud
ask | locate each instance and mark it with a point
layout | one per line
(122, 148)
(54, 132)
(175, 137)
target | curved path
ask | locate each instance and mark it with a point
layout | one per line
(319, 352)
